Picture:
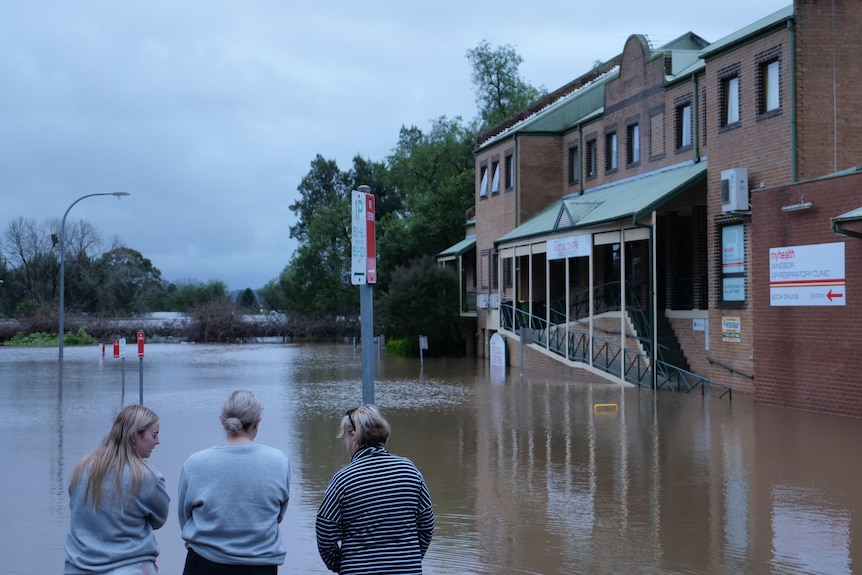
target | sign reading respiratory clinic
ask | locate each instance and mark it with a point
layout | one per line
(570, 247)
(807, 275)
(363, 250)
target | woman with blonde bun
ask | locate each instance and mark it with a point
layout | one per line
(232, 498)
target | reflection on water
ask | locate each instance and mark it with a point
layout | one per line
(526, 477)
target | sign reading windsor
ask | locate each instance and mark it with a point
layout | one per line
(807, 275)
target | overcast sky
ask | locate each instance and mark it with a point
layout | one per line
(209, 112)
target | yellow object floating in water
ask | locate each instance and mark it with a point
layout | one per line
(605, 407)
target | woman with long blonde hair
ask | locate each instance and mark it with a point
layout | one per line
(117, 500)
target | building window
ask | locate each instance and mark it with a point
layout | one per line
(483, 181)
(495, 180)
(769, 82)
(733, 263)
(485, 269)
(592, 161)
(633, 144)
(495, 262)
(730, 100)
(610, 151)
(510, 171)
(656, 135)
(683, 126)
(574, 165)
(507, 273)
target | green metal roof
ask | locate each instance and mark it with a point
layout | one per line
(574, 108)
(749, 31)
(460, 248)
(629, 199)
(851, 217)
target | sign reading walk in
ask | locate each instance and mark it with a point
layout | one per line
(363, 256)
(807, 275)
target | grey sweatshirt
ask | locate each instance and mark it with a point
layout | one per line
(113, 535)
(231, 500)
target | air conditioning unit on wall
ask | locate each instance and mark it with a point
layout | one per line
(734, 190)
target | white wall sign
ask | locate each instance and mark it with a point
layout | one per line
(498, 357)
(570, 247)
(498, 351)
(807, 275)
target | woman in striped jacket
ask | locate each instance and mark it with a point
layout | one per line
(376, 515)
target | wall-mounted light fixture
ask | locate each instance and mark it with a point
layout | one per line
(802, 205)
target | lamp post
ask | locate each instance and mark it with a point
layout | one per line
(63, 261)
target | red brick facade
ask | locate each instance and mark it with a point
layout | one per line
(811, 55)
(808, 356)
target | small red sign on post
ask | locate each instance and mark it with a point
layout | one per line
(116, 348)
(140, 344)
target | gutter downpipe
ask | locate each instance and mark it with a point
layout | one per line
(517, 187)
(791, 27)
(580, 156)
(696, 116)
(653, 336)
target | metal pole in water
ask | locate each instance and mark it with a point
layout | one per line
(141, 379)
(366, 310)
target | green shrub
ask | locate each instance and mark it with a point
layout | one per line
(36, 339)
(402, 347)
(43, 339)
(82, 337)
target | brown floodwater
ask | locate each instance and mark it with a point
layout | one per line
(532, 476)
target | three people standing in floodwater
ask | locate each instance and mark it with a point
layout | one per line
(376, 515)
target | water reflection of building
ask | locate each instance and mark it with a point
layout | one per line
(652, 488)
(630, 211)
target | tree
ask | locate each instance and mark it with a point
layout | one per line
(316, 281)
(423, 300)
(248, 301)
(188, 295)
(28, 250)
(126, 283)
(433, 172)
(500, 90)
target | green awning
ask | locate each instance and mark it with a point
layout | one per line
(630, 199)
(458, 249)
(851, 217)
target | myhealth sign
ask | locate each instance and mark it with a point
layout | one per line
(807, 275)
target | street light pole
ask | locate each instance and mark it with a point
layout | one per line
(63, 262)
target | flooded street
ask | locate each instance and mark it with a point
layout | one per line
(534, 477)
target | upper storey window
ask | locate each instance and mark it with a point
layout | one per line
(730, 100)
(683, 125)
(574, 165)
(483, 182)
(768, 86)
(592, 161)
(495, 180)
(633, 144)
(610, 151)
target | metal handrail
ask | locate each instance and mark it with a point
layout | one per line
(608, 355)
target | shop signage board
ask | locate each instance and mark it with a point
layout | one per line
(809, 275)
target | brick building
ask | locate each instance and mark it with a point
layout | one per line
(618, 220)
